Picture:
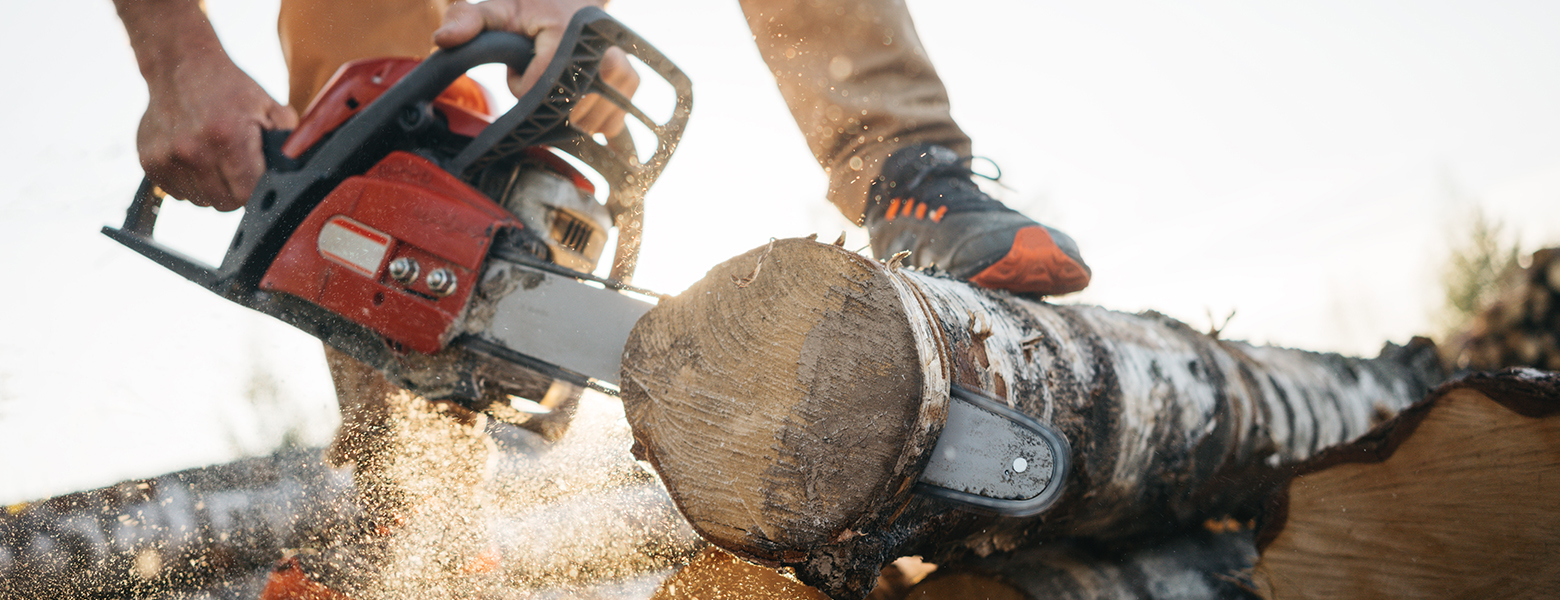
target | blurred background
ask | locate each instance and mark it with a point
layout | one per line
(1311, 167)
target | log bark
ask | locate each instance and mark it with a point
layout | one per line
(1455, 498)
(790, 399)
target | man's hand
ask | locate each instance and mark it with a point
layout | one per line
(200, 137)
(543, 21)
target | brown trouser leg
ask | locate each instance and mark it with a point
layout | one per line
(858, 82)
(376, 436)
(318, 36)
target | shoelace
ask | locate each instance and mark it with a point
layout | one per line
(962, 166)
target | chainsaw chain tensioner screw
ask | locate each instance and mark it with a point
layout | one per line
(442, 282)
(404, 270)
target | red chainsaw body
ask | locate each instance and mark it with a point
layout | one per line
(404, 207)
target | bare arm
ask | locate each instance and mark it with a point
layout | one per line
(200, 136)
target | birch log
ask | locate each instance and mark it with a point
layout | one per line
(790, 400)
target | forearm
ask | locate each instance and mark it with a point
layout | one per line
(167, 33)
(200, 136)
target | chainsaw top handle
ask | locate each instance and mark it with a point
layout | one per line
(287, 192)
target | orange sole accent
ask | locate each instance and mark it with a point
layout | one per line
(1034, 265)
(288, 582)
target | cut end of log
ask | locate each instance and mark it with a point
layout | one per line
(788, 399)
(1454, 499)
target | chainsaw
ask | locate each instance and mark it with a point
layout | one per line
(454, 252)
(451, 251)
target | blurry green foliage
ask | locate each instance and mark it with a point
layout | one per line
(1483, 251)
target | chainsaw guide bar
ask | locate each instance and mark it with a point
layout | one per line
(992, 458)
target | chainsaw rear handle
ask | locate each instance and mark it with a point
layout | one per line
(141, 217)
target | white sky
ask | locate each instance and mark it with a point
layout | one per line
(1302, 163)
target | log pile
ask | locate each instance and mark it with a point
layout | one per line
(790, 399)
(187, 530)
(1520, 327)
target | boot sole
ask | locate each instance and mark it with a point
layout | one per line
(1036, 265)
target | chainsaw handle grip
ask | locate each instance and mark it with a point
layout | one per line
(141, 216)
(366, 137)
(541, 117)
(443, 67)
(139, 229)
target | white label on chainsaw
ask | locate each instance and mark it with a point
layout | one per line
(353, 245)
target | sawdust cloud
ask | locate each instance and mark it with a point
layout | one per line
(574, 518)
(439, 505)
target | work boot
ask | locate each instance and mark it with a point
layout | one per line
(926, 202)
